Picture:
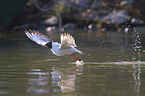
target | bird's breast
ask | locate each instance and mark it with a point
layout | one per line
(61, 52)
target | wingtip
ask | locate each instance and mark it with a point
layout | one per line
(68, 34)
(61, 34)
(64, 34)
(26, 31)
(31, 31)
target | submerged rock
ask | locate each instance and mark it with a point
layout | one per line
(50, 28)
(51, 21)
(70, 26)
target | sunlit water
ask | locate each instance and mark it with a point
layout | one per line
(113, 65)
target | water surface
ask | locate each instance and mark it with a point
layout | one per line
(113, 66)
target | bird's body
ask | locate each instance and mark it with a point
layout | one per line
(67, 45)
(62, 51)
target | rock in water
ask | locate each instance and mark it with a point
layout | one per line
(118, 17)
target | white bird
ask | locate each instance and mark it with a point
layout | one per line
(67, 45)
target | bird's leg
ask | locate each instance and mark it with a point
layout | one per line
(75, 57)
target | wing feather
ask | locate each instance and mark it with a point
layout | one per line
(37, 37)
(67, 41)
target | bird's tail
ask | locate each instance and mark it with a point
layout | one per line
(79, 51)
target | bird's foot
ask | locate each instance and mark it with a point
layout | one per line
(78, 59)
(75, 57)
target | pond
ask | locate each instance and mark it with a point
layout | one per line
(113, 66)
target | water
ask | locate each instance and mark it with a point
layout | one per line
(113, 66)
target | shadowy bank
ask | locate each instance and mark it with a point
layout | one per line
(80, 14)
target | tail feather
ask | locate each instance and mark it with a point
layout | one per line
(81, 52)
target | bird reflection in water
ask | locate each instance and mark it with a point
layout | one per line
(53, 82)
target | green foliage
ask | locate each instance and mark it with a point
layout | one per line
(60, 7)
(68, 10)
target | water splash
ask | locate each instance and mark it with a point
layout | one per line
(79, 62)
(137, 66)
(137, 47)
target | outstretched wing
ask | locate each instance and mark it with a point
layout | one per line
(37, 37)
(67, 41)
